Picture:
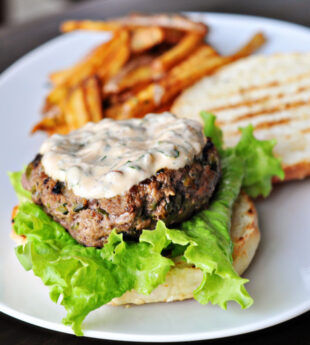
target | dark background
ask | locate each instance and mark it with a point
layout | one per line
(17, 40)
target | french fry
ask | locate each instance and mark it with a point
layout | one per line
(125, 77)
(138, 105)
(173, 56)
(76, 111)
(133, 73)
(72, 25)
(105, 61)
(55, 98)
(173, 36)
(257, 41)
(159, 93)
(60, 129)
(92, 91)
(141, 75)
(83, 104)
(205, 61)
(163, 107)
(74, 76)
(50, 124)
(59, 77)
(111, 100)
(143, 39)
(115, 60)
(174, 21)
(93, 61)
(202, 62)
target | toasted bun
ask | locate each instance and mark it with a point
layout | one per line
(183, 279)
(271, 92)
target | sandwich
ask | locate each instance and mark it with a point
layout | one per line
(142, 210)
(270, 92)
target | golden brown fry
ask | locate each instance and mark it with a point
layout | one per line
(138, 105)
(59, 129)
(94, 60)
(59, 77)
(200, 63)
(257, 41)
(131, 89)
(157, 94)
(143, 39)
(92, 90)
(164, 107)
(173, 36)
(116, 59)
(170, 21)
(105, 60)
(134, 72)
(111, 55)
(76, 111)
(203, 61)
(180, 51)
(72, 25)
(136, 77)
(111, 100)
(49, 123)
(98, 58)
(55, 98)
(83, 104)
(141, 75)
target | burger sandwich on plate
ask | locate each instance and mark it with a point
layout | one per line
(142, 210)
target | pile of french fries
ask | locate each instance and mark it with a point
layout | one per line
(148, 61)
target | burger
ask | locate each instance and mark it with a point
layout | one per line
(141, 210)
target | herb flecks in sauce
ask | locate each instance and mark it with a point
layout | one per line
(106, 159)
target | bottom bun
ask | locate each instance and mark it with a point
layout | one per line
(183, 278)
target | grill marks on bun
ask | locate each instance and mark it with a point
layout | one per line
(270, 92)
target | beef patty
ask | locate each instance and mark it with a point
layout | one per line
(169, 195)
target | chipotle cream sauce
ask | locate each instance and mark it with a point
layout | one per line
(105, 159)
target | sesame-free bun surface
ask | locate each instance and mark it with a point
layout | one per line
(270, 92)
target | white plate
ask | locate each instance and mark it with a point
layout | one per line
(280, 273)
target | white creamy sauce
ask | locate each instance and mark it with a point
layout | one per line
(105, 159)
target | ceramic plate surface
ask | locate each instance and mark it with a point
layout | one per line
(280, 273)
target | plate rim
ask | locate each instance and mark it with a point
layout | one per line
(251, 327)
(150, 338)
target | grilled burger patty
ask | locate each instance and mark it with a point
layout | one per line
(169, 195)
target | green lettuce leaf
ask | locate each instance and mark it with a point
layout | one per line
(86, 277)
(208, 244)
(22, 194)
(211, 130)
(259, 163)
